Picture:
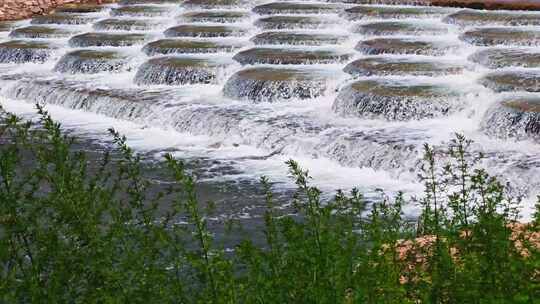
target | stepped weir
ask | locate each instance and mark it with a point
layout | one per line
(359, 84)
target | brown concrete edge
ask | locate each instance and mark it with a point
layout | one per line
(22, 9)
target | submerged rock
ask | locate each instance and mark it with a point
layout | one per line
(21, 51)
(522, 5)
(106, 39)
(293, 22)
(391, 2)
(196, 30)
(395, 100)
(392, 12)
(496, 58)
(123, 24)
(515, 117)
(172, 70)
(209, 4)
(135, 2)
(78, 8)
(404, 46)
(63, 18)
(475, 17)
(296, 7)
(502, 36)
(385, 66)
(90, 62)
(264, 84)
(388, 28)
(217, 16)
(6, 26)
(38, 31)
(289, 56)
(505, 81)
(297, 38)
(185, 46)
(141, 11)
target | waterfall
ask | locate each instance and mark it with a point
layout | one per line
(362, 85)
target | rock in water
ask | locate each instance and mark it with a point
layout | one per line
(507, 81)
(385, 66)
(393, 12)
(90, 62)
(515, 117)
(297, 38)
(172, 70)
(106, 39)
(495, 58)
(197, 30)
(265, 84)
(289, 56)
(38, 31)
(407, 46)
(187, 46)
(21, 51)
(475, 17)
(502, 36)
(392, 100)
(296, 7)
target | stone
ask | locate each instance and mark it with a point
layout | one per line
(408, 46)
(289, 56)
(502, 36)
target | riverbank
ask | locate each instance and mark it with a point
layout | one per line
(21, 9)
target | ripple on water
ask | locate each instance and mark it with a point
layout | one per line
(394, 100)
(266, 84)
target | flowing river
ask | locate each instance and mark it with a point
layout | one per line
(350, 90)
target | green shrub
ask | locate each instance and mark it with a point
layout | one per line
(70, 233)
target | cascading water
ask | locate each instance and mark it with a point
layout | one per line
(356, 88)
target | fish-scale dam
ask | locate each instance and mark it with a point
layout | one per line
(354, 90)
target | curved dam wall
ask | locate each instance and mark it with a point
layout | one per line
(21, 9)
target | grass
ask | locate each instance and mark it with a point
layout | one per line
(69, 234)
